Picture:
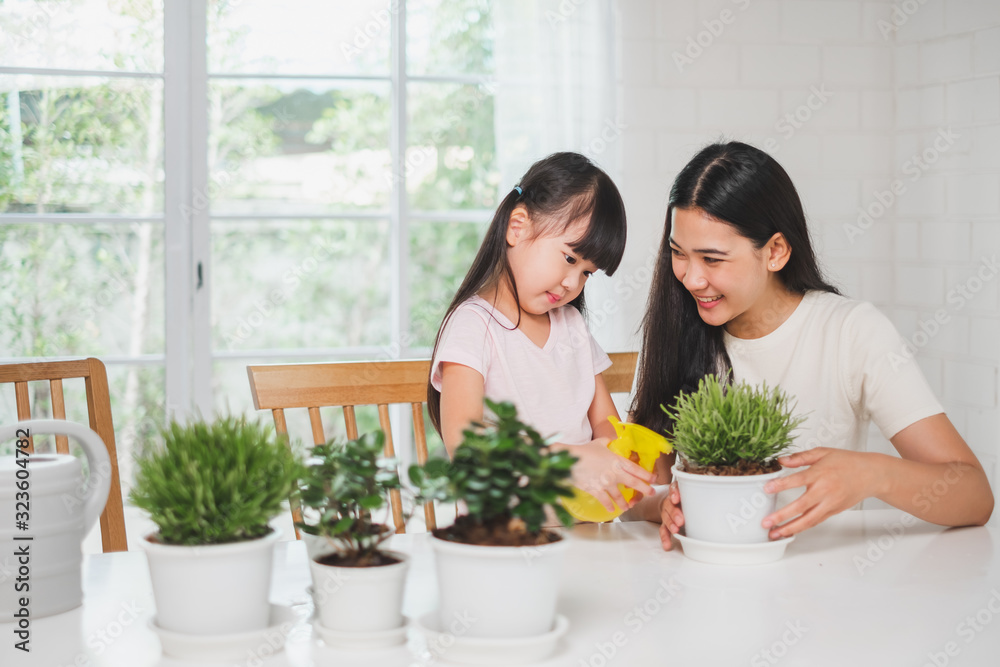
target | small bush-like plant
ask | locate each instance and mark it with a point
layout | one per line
(502, 471)
(344, 484)
(211, 483)
(723, 425)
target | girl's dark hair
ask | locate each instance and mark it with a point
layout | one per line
(747, 189)
(557, 192)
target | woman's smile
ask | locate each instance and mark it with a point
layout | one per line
(708, 302)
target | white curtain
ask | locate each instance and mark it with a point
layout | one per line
(555, 72)
(555, 81)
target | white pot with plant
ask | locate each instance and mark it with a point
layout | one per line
(728, 439)
(357, 585)
(497, 564)
(211, 488)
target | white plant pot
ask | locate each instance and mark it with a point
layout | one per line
(212, 589)
(360, 599)
(502, 592)
(728, 510)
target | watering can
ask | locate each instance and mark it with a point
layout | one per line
(45, 512)
(633, 441)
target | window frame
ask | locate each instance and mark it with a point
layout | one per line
(186, 218)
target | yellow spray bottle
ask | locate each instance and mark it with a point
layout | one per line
(632, 439)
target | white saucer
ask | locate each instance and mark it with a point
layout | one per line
(360, 640)
(240, 646)
(488, 650)
(719, 553)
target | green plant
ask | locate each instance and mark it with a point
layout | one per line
(501, 471)
(723, 425)
(211, 483)
(343, 484)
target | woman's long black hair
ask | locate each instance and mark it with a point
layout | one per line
(556, 191)
(747, 189)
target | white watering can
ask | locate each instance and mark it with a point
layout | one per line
(40, 564)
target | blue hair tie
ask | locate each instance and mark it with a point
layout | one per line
(517, 188)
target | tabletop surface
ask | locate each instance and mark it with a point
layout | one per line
(872, 587)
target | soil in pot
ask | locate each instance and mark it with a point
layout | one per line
(742, 468)
(375, 559)
(337, 556)
(503, 532)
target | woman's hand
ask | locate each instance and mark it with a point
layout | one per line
(836, 480)
(599, 472)
(671, 516)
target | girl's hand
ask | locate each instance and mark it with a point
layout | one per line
(671, 516)
(836, 480)
(599, 472)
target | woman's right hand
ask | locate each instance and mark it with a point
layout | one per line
(671, 516)
(599, 472)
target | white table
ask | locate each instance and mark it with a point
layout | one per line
(864, 588)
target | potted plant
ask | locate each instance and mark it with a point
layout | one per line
(728, 438)
(357, 585)
(497, 563)
(211, 488)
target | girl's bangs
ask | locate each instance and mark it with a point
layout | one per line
(604, 241)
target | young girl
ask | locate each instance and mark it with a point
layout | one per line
(515, 330)
(737, 289)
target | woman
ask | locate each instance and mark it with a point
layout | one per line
(737, 288)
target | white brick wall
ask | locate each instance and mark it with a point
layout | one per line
(898, 80)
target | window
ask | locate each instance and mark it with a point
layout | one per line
(81, 196)
(327, 159)
(341, 148)
(187, 188)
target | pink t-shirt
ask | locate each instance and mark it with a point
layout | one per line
(551, 386)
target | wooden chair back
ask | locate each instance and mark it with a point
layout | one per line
(618, 378)
(95, 378)
(347, 385)
(279, 387)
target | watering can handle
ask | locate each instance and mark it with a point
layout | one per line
(99, 484)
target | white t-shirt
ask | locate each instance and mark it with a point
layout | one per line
(551, 386)
(844, 363)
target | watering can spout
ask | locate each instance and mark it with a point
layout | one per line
(633, 441)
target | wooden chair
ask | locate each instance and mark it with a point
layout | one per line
(618, 378)
(347, 385)
(99, 407)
